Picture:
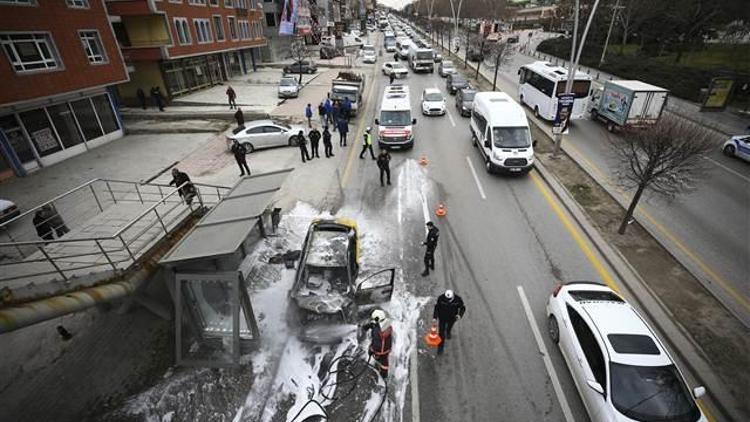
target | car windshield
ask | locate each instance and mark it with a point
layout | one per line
(395, 118)
(340, 95)
(447, 65)
(433, 96)
(398, 66)
(457, 80)
(651, 393)
(424, 55)
(288, 82)
(468, 96)
(511, 137)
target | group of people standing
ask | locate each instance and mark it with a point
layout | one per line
(157, 99)
(314, 136)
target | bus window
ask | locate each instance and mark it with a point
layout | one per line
(580, 88)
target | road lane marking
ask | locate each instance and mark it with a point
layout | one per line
(450, 117)
(575, 234)
(476, 179)
(545, 357)
(722, 166)
(414, 375)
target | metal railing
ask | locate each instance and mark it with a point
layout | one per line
(23, 255)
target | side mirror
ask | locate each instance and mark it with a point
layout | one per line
(487, 144)
(414, 121)
(377, 122)
(519, 71)
(595, 386)
(533, 143)
(699, 392)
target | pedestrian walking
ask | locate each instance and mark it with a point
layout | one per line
(156, 97)
(346, 108)
(240, 154)
(186, 189)
(431, 243)
(384, 164)
(367, 144)
(322, 113)
(240, 118)
(343, 131)
(381, 340)
(232, 98)
(327, 145)
(314, 136)
(391, 78)
(308, 114)
(141, 97)
(303, 146)
(449, 308)
(329, 111)
(336, 113)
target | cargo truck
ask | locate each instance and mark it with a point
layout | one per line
(349, 85)
(627, 103)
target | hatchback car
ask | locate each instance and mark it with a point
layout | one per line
(621, 369)
(445, 68)
(455, 82)
(465, 100)
(265, 134)
(397, 69)
(301, 66)
(329, 293)
(288, 87)
(368, 54)
(738, 146)
(8, 210)
(433, 102)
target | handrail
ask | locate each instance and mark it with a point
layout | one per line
(62, 195)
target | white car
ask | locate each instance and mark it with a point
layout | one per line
(8, 210)
(396, 68)
(738, 146)
(260, 134)
(368, 54)
(433, 102)
(621, 369)
(288, 87)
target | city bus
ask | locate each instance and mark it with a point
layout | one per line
(541, 83)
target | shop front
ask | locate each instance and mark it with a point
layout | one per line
(191, 74)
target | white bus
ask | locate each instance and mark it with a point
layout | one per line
(541, 83)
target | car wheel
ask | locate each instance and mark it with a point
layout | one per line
(553, 329)
(488, 165)
(594, 114)
(293, 141)
(310, 71)
(729, 150)
(249, 148)
(536, 112)
(474, 140)
(610, 127)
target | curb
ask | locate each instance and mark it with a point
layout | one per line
(681, 344)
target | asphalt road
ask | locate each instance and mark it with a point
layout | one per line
(707, 229)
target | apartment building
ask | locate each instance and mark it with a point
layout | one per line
(59, 63)
(182, 46)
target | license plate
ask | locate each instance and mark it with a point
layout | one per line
(515, 169)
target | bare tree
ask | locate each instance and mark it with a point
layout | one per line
(456, 12)
(665, 159)
(496, 56)
(299, 52)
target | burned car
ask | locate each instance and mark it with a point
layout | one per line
(329, 294)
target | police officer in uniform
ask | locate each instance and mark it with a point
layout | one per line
(431, 243)
(367, 144)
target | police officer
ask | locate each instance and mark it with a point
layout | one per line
(449, 308)
(314, 136)
(303, 146)
(381, 340)
(431, 243)
(327, 146)
(240, 154)
(367, 144)
(384, 164)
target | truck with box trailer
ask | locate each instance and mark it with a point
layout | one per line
(627, 103)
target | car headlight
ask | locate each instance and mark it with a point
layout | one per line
(497, 156)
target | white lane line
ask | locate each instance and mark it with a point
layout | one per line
(450, 117)
(414, 375)
(734, 172)
(476, 179)
(545, 357)
(425, 210)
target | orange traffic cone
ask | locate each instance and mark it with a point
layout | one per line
(433, 338)
(423, 161)
(441, 211)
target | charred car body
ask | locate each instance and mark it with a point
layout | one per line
(329, 293)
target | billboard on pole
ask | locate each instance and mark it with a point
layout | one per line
(564, 110)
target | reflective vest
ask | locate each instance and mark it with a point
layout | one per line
(367, 140)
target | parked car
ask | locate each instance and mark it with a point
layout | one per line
(454, 82)
(266, 134)
(8, 210)
(738, 146)
(329, 293)
(622, 370)
(433, 102)
(398, 70)
(301, 66)
(289, 87)
(446, 67)
(465, 100)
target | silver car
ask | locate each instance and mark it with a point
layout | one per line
(266, 134)
(288, 87)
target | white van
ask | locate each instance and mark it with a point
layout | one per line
(395, 122)
(500, 131)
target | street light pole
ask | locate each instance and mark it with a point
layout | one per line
(615, 9)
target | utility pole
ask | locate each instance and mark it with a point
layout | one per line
(574, 58)
(616, 8)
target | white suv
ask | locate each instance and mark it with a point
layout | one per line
(622, 371)
(433, 102)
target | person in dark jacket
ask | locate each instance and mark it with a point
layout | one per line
(381, 340)
(240, 118)
(327, 145)
(240, 154)
(343, 130)
(157, 98)
(308, 114)
(384, 164)
(449, 308)
(56, 221)
(303, 146)
(322, 113)
(314, 136)
(336, 113)
(231, 98)
(431, 244)
(391, 78)
(329, 111)
(141, 97)
(42, 224)
(182, 181)
(346, 108)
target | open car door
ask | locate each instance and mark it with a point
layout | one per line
(376, 287)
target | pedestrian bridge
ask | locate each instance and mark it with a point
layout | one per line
(96, 232)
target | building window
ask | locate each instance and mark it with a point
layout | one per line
(107, 117)
(229, 4)
(214, 3)
(270, 20)
(197, 2)
(232, 27)
(241, 4)
(86, 116)
(202, 30)
(29, 52)
(62, 118)
(183, 31)
(218, 28)
(78, 4)
(244, 30)
(92, 45)
(19, 2)
(40, 131)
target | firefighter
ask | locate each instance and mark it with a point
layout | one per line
(381, 339)
(449, 308)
